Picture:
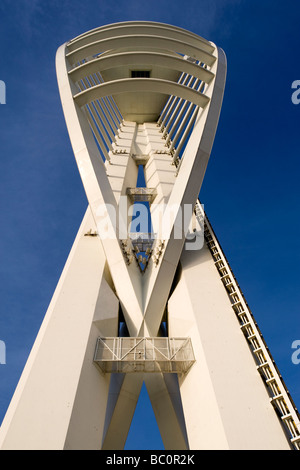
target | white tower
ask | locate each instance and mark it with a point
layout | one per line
(138, 303)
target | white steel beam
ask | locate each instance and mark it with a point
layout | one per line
(141, 58)
(134, 85)
(140, 27)
(143, 40)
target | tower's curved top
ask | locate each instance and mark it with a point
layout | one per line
(127, 53)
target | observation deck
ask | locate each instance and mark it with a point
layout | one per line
(141, 194)
(160, 354)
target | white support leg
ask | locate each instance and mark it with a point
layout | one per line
(224, 399)
(61, 398)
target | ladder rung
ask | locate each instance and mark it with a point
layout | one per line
(251, 336)
(244, 325)
(232, 293)
(276, 397)
(225, 275)
(271, 379)
(263, 364)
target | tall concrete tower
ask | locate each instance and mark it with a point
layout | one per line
(147, 294)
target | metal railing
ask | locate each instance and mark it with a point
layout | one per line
(158, 354)
(141, 194)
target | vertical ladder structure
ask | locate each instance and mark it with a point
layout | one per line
(146, 295)
(265, 364)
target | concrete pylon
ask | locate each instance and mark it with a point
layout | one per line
(147, 294)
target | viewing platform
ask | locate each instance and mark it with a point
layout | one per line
(159, 354)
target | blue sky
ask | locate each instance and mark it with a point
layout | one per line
(250, 192)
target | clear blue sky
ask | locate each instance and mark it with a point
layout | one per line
(251, 188)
